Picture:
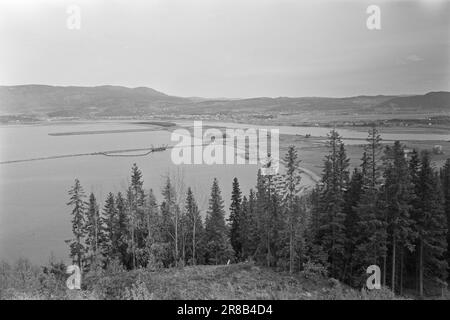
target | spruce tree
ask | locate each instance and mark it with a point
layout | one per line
(170, 221)
(244, 237)
(351, 198)
(331, 234)
(194, 228)
(218, 246)
(77, 248)
(122, 230)
(289, 188)
(111, 223)
(262, 213)
(132, 226)
(94, 236)
(313, 235)
(371, 228)
(445, 180)
(270, 216)
(399, 192)
(152, 223)
(251, 233)
(136, 199)
(431, 227)
(235, 219)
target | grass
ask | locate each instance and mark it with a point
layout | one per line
(237, 281)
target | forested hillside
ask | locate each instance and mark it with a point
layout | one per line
(392, 211)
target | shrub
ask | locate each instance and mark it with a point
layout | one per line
(314, 271)
(138, 291)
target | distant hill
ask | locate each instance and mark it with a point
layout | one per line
(72, 101)
(293, 105)
(432, 101)
(80, 101)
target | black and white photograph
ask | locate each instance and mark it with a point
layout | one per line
(244, 151)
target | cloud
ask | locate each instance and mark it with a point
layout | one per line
(411, 58)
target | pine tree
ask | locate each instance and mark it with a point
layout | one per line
(431, 226)
(152, 223)
(290, 188)
(270, 216)
(132, 226)
(235, 219)
(399, 192)
(77, 249)
(251, 231)
(262, 215)
(331, 233)
(194, 228)
(218, 247)
(136, 205)
(110, 220)
(445, 180)
(122, 230)
(170, 221)
(351, 199)
(371, 245)
(372, 152)
(137, 184)
(94, 236)
(244, 236)
(315, 253)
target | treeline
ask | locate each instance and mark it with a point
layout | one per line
(391, 211)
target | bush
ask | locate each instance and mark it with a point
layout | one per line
(314, 271)
(138, 291)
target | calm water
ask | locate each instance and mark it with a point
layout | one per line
(34, 217)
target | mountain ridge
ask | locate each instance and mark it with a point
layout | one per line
(113, 100)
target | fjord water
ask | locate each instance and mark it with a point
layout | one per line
(34, 217)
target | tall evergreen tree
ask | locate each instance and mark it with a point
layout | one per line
(251, 232)
(270, 215)
(315, 251)
(399, 192)
(170, 220)
(431, 226)
(194, 228)
(235, 219)
(152, 222)
(244, 236)
(94, 236)
(77, 248)
(371, 245)
(111, 223)
(445, 180)
(122, 230)
(218, 247)
(373, 151)
(290, 189)
(351, 199)
(132, 226)
(137, 211)
(262, 251)
(332, 220)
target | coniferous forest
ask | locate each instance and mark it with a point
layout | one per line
(391, 211)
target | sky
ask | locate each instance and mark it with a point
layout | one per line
(229, 48)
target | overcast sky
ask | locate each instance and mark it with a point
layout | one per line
(229, 48)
